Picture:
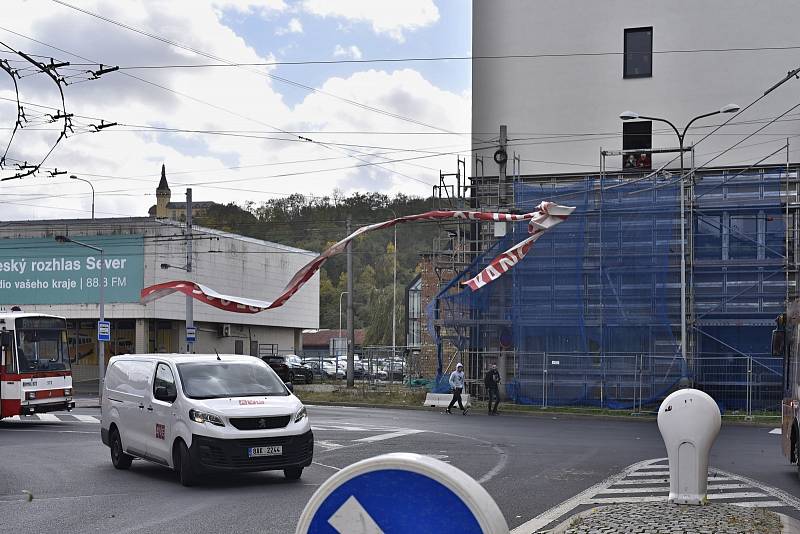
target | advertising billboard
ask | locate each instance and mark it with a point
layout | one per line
(43, 271)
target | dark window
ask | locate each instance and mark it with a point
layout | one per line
(637, 135)
(164, 379)
(239, 346)
(638, 57)
(253, 348)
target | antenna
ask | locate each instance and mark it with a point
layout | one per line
(218, 358)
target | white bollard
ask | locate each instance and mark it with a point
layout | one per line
(689, 422)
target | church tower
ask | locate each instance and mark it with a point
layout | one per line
(163, 195)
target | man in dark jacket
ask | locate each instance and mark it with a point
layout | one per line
(492, 383)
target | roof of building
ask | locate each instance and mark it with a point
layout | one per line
(195, 205)
(108, 226)
(322, 338)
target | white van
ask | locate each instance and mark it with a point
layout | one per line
(201, 413)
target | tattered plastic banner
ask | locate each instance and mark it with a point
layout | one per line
(548, 214)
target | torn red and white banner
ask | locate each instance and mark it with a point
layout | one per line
(547, 215)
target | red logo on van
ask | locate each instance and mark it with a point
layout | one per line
(160, 431)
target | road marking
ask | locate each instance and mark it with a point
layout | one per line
(47, 417)
(494, 471)
(328, 445)
(776, 431)
(53, 418)
(547, 517)
(665, 489)
(632, 485)
(86, 418)
(328, 466)
(390, 435)
(352, 518)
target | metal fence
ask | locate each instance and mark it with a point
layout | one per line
(639, 382)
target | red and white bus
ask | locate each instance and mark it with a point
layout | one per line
(35, 375)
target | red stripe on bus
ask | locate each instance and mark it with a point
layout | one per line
(26, 376)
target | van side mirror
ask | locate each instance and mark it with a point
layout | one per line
(778, 342)
(163, 394)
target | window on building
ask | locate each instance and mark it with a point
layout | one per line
(239, 346)
(637, 135)
(638, 57)
(414, 313)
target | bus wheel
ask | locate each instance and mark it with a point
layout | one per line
(118, 456)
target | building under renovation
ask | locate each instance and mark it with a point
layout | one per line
(613, 307)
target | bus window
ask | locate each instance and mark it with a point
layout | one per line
(42, 349)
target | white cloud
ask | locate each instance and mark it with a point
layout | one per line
(391, 18)
(124, 162)
(352, 52)
(249, 6)
(294, 26)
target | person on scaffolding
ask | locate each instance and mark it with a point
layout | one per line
(457, 383)
(492, 383)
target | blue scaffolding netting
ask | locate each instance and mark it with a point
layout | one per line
(592, 316)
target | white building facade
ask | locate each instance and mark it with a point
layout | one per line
(39, 274)
(562, 101)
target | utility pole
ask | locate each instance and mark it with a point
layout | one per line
(189, 299)
(350, 332)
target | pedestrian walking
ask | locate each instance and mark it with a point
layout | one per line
(457, 383)
(492, 383)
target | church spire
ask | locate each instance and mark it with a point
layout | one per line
(162, 185)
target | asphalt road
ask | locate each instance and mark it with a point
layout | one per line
(529, 464)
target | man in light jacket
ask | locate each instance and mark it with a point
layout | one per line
(457, 383)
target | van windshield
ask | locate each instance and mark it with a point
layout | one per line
(214, 380)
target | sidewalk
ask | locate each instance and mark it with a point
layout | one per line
(714, 518)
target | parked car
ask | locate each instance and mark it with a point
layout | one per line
(205, 413)
(316, 368)
(290, 368)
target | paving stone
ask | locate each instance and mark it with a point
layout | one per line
(716, 518)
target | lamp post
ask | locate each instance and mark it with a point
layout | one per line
(101, 348)
(632, 115)
(394, 288)
(73, 177)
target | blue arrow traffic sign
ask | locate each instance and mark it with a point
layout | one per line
(398, 493)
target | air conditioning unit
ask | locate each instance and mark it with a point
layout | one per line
(224, 330)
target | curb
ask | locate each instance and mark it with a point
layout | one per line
(528, 413)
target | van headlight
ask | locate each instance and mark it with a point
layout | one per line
(300, 415)
(203, 417)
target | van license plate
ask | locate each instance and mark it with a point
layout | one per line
(276, 450)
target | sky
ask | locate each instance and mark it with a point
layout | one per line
(242, 133)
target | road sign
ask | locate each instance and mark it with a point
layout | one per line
(401, 492)
(191, 333)
(103, 331)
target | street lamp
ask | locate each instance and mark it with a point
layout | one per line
(101, 349)
(632, 115)
(394, 287)
(73, 177)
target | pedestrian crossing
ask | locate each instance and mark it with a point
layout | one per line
(649, 482)
(52, 418)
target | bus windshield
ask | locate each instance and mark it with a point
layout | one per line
(42, 344)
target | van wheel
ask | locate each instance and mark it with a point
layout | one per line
(309, 378)
(293, 473)
(118, 456)
(291, 376)
(184, 467)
